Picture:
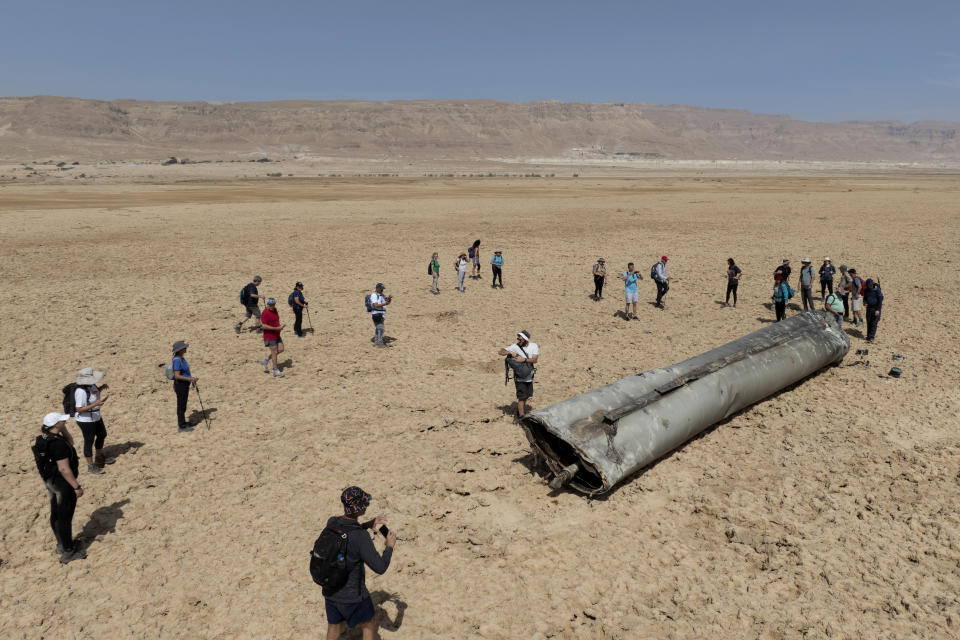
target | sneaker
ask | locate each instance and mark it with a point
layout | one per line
(101, 461)
(301, 335)
(94, 469)
(185, 429)
(277, 373)
(238, 328)
(266, 365)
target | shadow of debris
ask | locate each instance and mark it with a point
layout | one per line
(117, 450)
(102, 521)
(765, 319)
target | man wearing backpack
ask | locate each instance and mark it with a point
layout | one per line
(857, 288)
(659, 274)
(523, 351)
(297, 303)
(378, 309)
(873, 298)
(58, 464)
(250, 299)
(844, 285)
(350, 601)
(806, 285)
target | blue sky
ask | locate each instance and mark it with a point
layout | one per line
(820, 61)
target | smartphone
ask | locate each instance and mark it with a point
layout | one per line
(383, 530)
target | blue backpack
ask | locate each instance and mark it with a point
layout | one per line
(368, 305)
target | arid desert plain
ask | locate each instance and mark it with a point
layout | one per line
(830, 510)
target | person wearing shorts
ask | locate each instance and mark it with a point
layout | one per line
(856, 298)
(352, 602)
(271, 337)
(523, 351)
(252, 305)
(630, 290)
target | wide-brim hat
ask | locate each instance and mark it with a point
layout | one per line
(54, 418)
(179, 345)
(88, 376)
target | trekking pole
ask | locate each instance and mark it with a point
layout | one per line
(204, 411)
(309, 320)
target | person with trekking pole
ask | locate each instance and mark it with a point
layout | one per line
(271, 338)
(298, 304)
(181, 384)
(59, 465)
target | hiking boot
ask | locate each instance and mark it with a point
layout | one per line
(238, 327)
(259, 329)
(266, 365)
(185, 428)
(77, 553)
(277, 373)
(94, 469)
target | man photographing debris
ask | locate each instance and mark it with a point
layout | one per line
(338, 560)
(522, 353)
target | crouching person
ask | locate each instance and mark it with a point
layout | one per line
(345, 592)
(58, 464)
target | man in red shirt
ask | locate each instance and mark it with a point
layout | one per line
(270, 321)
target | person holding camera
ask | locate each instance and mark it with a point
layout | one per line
(523, 351)
(378, 305)
(352, 603)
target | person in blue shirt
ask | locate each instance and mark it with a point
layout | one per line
(873, 299)
(631, 293)
(781, 293)
(181, 383)
(297, 303)
(497, 263)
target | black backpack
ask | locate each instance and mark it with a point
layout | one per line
(244, 299)
(69, 398)
(290, 299)
(41, 455)
(430, 268)
(328, 560)
(653, 271)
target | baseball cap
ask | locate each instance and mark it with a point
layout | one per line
(51, 419)
(379, 286)
(257, 279)
(664, 258)
(299, 284)
(271, 301)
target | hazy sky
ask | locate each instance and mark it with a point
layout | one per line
(813, 60)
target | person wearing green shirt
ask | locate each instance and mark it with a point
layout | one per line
(434, 270)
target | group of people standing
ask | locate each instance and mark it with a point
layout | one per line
(468, 259)
(57, 460)
(854, 296)
(631, 290)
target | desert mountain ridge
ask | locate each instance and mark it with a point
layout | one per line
(44, 127)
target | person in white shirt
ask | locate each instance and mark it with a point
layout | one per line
(661, 280)
(88, 399)
(523, 351)
(461, 266)
(378, 304)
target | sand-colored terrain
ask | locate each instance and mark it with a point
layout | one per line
(829, 510)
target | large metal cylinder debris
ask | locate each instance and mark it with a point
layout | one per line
(594, 440)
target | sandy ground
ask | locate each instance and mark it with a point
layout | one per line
(829, 510)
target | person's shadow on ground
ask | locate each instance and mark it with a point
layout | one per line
(198, 417)
(117, 450)
(102, 521)
(383, 620)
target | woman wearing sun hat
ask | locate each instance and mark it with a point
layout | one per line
(181, 383)
(827, 271)
(88, 398)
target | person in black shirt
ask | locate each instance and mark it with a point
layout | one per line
(733, 281)
(783, 270)
(252, 304)
(297, 303)
(60, 478)
(352, 603)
